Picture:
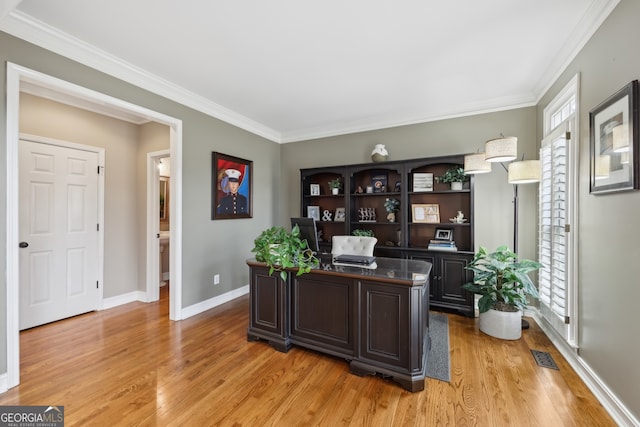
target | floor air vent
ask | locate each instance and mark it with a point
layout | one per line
(544, 359)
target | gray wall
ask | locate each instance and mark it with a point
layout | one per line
(608, 249)
(208, 246)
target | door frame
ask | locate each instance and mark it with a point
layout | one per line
(153, 225)
(16, 75)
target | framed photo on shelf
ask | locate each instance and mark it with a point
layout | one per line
(232, 189)
(340, 215)
(422, 182)
(314, 189)
(443, 234)
(379, 182)
(313, 212)
(426, 213)
(613, 132)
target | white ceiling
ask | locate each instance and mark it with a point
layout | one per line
(292, 69)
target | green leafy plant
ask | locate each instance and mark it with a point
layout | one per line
(453, 174)
(501, 279)
(391, 205)
(281, 249)
(365, 233)
(335, 183)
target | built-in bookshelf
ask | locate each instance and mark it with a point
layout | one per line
(428, 211)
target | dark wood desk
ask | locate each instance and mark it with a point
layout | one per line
(376, 319)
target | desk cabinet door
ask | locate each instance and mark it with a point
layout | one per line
(385, 316)
(268, 302)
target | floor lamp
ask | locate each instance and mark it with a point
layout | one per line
(501, 150)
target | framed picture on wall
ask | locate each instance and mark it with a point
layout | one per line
(613, 151)
(231, 186)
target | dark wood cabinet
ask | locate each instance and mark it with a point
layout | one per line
(376, 319)
(413, 183)
(447, 276)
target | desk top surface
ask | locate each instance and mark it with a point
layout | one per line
(390, 270)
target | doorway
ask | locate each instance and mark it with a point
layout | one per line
(17, 77)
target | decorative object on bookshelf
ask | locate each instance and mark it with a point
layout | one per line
(391, 206)
(361, 232)
(367, 215)
(454, 176)
(340, 215)
(443, 234)
(379, 182)
(313, 212)
(459, 218)
(281, 249)
(335, 185)
(379, 153)
(427, 213)
(327, 215)
(503, 284)
(314, 189)
(613, 128)
(422, 181)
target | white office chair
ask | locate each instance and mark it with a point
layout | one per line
(352, 245)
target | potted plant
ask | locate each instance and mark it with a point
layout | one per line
(360, 232)
(454, 176)
(503, 284)
(391, 206)
(281, 249)
(335, 185)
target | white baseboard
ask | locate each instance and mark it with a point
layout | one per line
(112, 302)
(618, 411)
(214, 302)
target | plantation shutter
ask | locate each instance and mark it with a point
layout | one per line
(553, 230)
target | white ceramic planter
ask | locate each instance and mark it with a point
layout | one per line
(335, 191)
(506, 325)
(456, 186)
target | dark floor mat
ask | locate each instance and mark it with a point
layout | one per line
(544, 359)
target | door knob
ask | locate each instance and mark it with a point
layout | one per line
(23, 244)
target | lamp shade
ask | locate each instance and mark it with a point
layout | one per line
(476, 163)
(501, 149)
(621, 138)
(524, 172)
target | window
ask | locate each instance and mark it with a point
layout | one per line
(558, 154)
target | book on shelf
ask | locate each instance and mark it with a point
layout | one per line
(442, 245)
(442, 248)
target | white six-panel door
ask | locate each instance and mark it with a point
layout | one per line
(58, 232)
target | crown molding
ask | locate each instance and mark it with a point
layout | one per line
(490, 106)
(586, 28)
(23, 26)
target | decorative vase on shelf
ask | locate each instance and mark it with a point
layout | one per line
(391, 217)
(335, 191)
(456, 185)
(379, 153)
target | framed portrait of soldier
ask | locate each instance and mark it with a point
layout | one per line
(232, 189)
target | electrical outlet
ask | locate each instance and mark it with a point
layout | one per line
(216, 279)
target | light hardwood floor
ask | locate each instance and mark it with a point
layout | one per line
(131, 366)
